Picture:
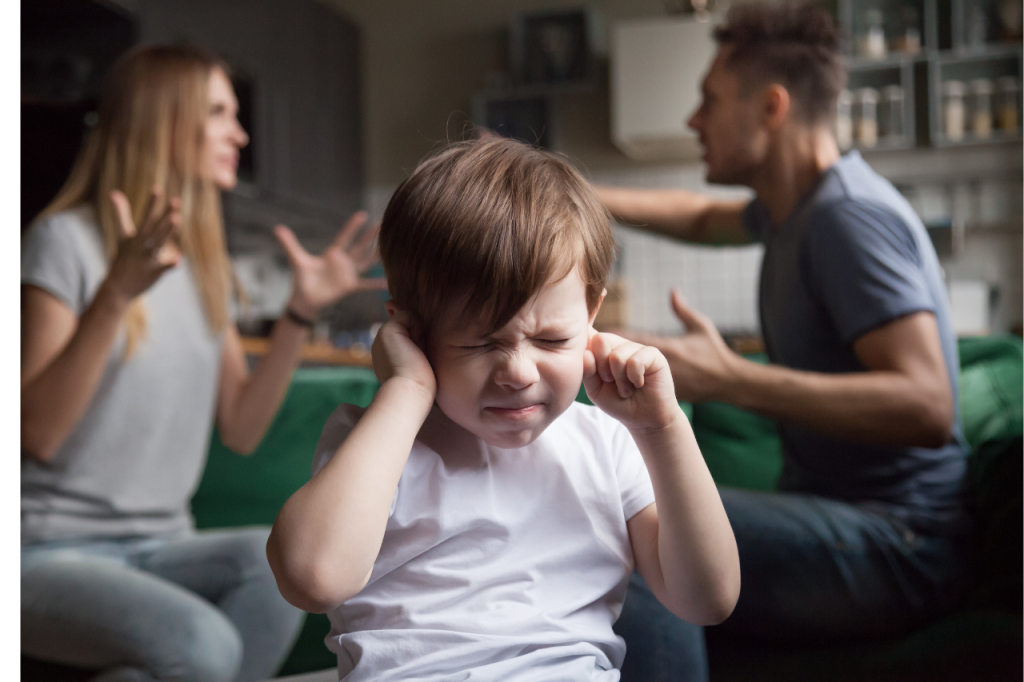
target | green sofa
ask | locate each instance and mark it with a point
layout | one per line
(981, 641)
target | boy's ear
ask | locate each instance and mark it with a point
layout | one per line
(391, 307)
(593, 313)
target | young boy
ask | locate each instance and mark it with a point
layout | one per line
(474, 522)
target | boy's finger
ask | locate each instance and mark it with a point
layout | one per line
(639, 364)
(591, 379)
(599, 347)
(617, 363)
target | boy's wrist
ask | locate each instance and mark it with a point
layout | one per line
(661, 431)
(410, 389)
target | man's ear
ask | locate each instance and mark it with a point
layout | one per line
(775, 105)
(593, 313)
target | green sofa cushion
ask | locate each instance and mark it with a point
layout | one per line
(741, 449)
(242, 491)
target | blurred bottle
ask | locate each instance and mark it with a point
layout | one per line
(890, 116)
(867, 117)
(908, 40)
(844, 120)
(953, 110)
(1008, 104)
(981, 108)
(871, 43)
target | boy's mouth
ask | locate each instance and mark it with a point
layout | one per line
(514, 412)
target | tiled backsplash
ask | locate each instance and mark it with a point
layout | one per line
(720, 282)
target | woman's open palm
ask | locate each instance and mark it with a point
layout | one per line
(324, 279)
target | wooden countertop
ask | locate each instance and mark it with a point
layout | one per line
(321, 353)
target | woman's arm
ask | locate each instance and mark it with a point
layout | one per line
(62, 362)
(246, 404)
(327, 536)
(63, 357)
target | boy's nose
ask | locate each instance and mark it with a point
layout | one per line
(516, 372)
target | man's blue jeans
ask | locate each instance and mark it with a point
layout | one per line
(814, 571)
(200, 607)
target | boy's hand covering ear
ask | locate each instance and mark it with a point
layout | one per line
(629, 381)
(396, 351)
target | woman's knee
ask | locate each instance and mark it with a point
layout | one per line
(202, 647)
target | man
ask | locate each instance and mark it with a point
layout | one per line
(863, 538)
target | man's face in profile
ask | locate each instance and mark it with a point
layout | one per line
(726, 124)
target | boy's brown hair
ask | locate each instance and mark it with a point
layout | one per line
(484, 225)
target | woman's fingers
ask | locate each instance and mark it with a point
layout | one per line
(156, 207)
(292, 248)
(364, 252)
(349, 230)
(168, 224)
(373, 284)
(123, 212)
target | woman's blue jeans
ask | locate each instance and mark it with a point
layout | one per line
(203, 607)
(813, 571)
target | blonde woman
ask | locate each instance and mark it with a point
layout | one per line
(129, 355)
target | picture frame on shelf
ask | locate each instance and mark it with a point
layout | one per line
(554, 50)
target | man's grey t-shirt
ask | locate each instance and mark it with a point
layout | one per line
(131, 464)
(852, 257)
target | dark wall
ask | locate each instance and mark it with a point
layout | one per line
(66, 48)
(297, 72)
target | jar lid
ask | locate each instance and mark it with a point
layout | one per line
(953, 88)
(981, 86)
(867, 95)
(892, 92)
(1007, 84)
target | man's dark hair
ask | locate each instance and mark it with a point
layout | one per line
(793, 44)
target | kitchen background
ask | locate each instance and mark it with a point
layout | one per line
(343, 97)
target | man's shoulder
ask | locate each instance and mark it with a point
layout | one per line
(849, 220)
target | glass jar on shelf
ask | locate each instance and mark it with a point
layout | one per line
(1008, 104)
(871, 42)
(890, 114)
(844, 120)
(981, 108)
(953, 112)
(867, 117)
(908, 38)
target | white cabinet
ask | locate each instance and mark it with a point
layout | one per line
(656, 70)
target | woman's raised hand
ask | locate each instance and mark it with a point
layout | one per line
(322, 280)
(144, 252)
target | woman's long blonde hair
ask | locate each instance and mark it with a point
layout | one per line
(150, 132)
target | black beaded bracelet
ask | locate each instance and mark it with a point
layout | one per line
(299, 319)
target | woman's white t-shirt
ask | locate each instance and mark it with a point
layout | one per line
(503, 565)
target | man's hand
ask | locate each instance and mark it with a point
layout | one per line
(702, 365)
(397, 351)
(630, 382)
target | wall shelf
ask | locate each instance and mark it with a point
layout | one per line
(951, 48)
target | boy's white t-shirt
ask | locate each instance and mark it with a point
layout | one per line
(498, 565)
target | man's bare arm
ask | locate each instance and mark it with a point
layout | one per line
(903, 398)
(683, 215)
